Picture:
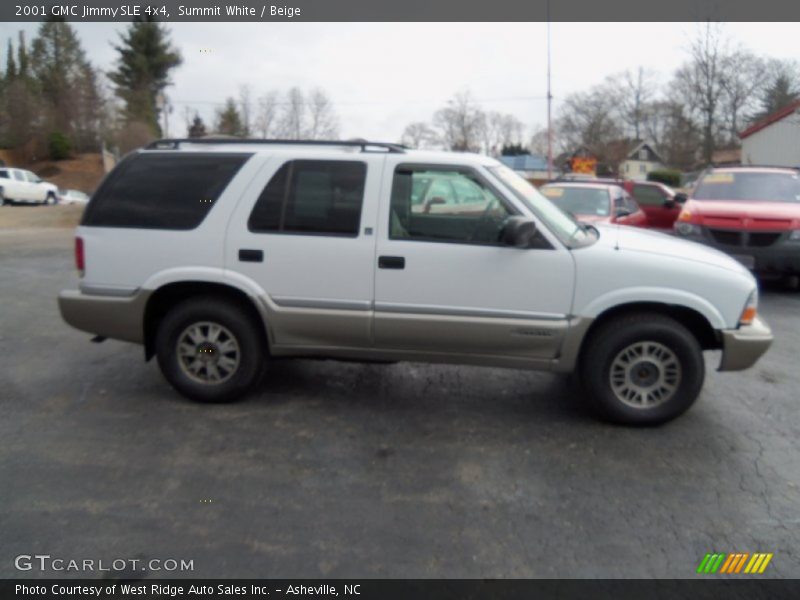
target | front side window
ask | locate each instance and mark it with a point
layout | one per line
(31, 177)
(19, 176)
(648, 195)
(312, 197)
(432, 204)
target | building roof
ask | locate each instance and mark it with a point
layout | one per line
(525, 162)
(770, 119)
(637, 145)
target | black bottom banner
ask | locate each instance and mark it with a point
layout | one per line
(390, 589)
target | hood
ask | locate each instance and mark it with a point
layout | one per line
(745, 214)
(634, 239)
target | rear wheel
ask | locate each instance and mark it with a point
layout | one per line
(50, 199)
(209, 350)
(642, 369)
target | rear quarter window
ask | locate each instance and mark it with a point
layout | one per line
(162, 191)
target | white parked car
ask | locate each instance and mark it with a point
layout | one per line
(21, 186)
(219, 256)
(72, 197)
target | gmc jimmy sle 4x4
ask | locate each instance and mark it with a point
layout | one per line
(219, 255)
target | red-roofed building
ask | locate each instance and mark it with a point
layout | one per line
(774, 140)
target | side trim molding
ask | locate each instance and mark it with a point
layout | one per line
(462, 311)
(333, 304)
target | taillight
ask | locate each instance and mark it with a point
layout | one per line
(79, 260)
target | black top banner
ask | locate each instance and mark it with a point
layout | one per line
(403, 10)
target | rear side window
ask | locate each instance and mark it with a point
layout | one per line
(162, 191)
(312, 196)
(4, 174)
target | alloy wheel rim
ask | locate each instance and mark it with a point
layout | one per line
(645, 374)
(208, 353)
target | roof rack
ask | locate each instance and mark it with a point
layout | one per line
(175, 143)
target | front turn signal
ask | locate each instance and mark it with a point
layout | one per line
(750, 309)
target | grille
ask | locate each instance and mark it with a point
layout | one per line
(763, 239)
(728, 238)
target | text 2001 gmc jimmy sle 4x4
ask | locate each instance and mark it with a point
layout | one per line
(219, 255)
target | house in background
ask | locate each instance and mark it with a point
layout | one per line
(532, 167)
(640, 159)
(774, 140)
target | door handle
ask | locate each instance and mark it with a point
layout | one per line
(247, 255)
(391, 262)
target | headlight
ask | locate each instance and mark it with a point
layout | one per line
(750, 308)
(688, 229)
(795, 236)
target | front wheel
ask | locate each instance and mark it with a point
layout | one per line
(50, 199)
(210, 350)
(642, 369)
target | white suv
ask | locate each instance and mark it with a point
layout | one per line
(19, 185)
(219, 255)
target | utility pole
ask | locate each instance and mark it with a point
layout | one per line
(549, 104)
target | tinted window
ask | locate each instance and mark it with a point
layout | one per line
(442, 205)
(743, 185)
(4, 174)
(648, 195)
(161, 191)
(312, 196)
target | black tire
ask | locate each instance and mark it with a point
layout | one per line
(654, 332)
(239, 325)
(50, 200)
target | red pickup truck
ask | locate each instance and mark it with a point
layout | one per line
(752, 213)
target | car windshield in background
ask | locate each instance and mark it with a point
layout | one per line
(579, 200)
(743, 185)
(559, 222)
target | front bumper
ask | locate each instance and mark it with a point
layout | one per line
(780, 256)
(120, 318)
(742, 347)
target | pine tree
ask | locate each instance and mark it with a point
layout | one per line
(229, 121)
(145, 60)
(197, 128)
(11, 67)
(22, 54)
(778, 95)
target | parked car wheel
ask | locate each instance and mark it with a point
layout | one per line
(642, 369)
(3, 200)
(209, 350)
(50, 199)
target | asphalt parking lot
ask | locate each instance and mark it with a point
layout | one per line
(353, 470)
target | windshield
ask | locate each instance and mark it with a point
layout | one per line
(579, 200)
(746, 185)
(559, 222)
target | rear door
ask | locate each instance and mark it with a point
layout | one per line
(22, 189)
(305, 233)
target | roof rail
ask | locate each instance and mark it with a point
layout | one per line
(175, 143)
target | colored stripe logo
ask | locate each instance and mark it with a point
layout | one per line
(734, 563)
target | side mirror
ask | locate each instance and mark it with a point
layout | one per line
(433, 201)
(680, 198)
(670, 203)
(518, 232)
(622, 212)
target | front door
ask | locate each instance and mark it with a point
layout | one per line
(445, 284)
(304, 233)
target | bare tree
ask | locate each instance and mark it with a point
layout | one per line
(460, 123)
(499, 130)
(590, 119)
(743, 77)
(246, 109)
(699, 82)
(267, 116)
(636, 90)
(293, 113)
(322, 121)
(419, 135)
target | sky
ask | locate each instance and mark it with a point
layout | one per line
(383, 76)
